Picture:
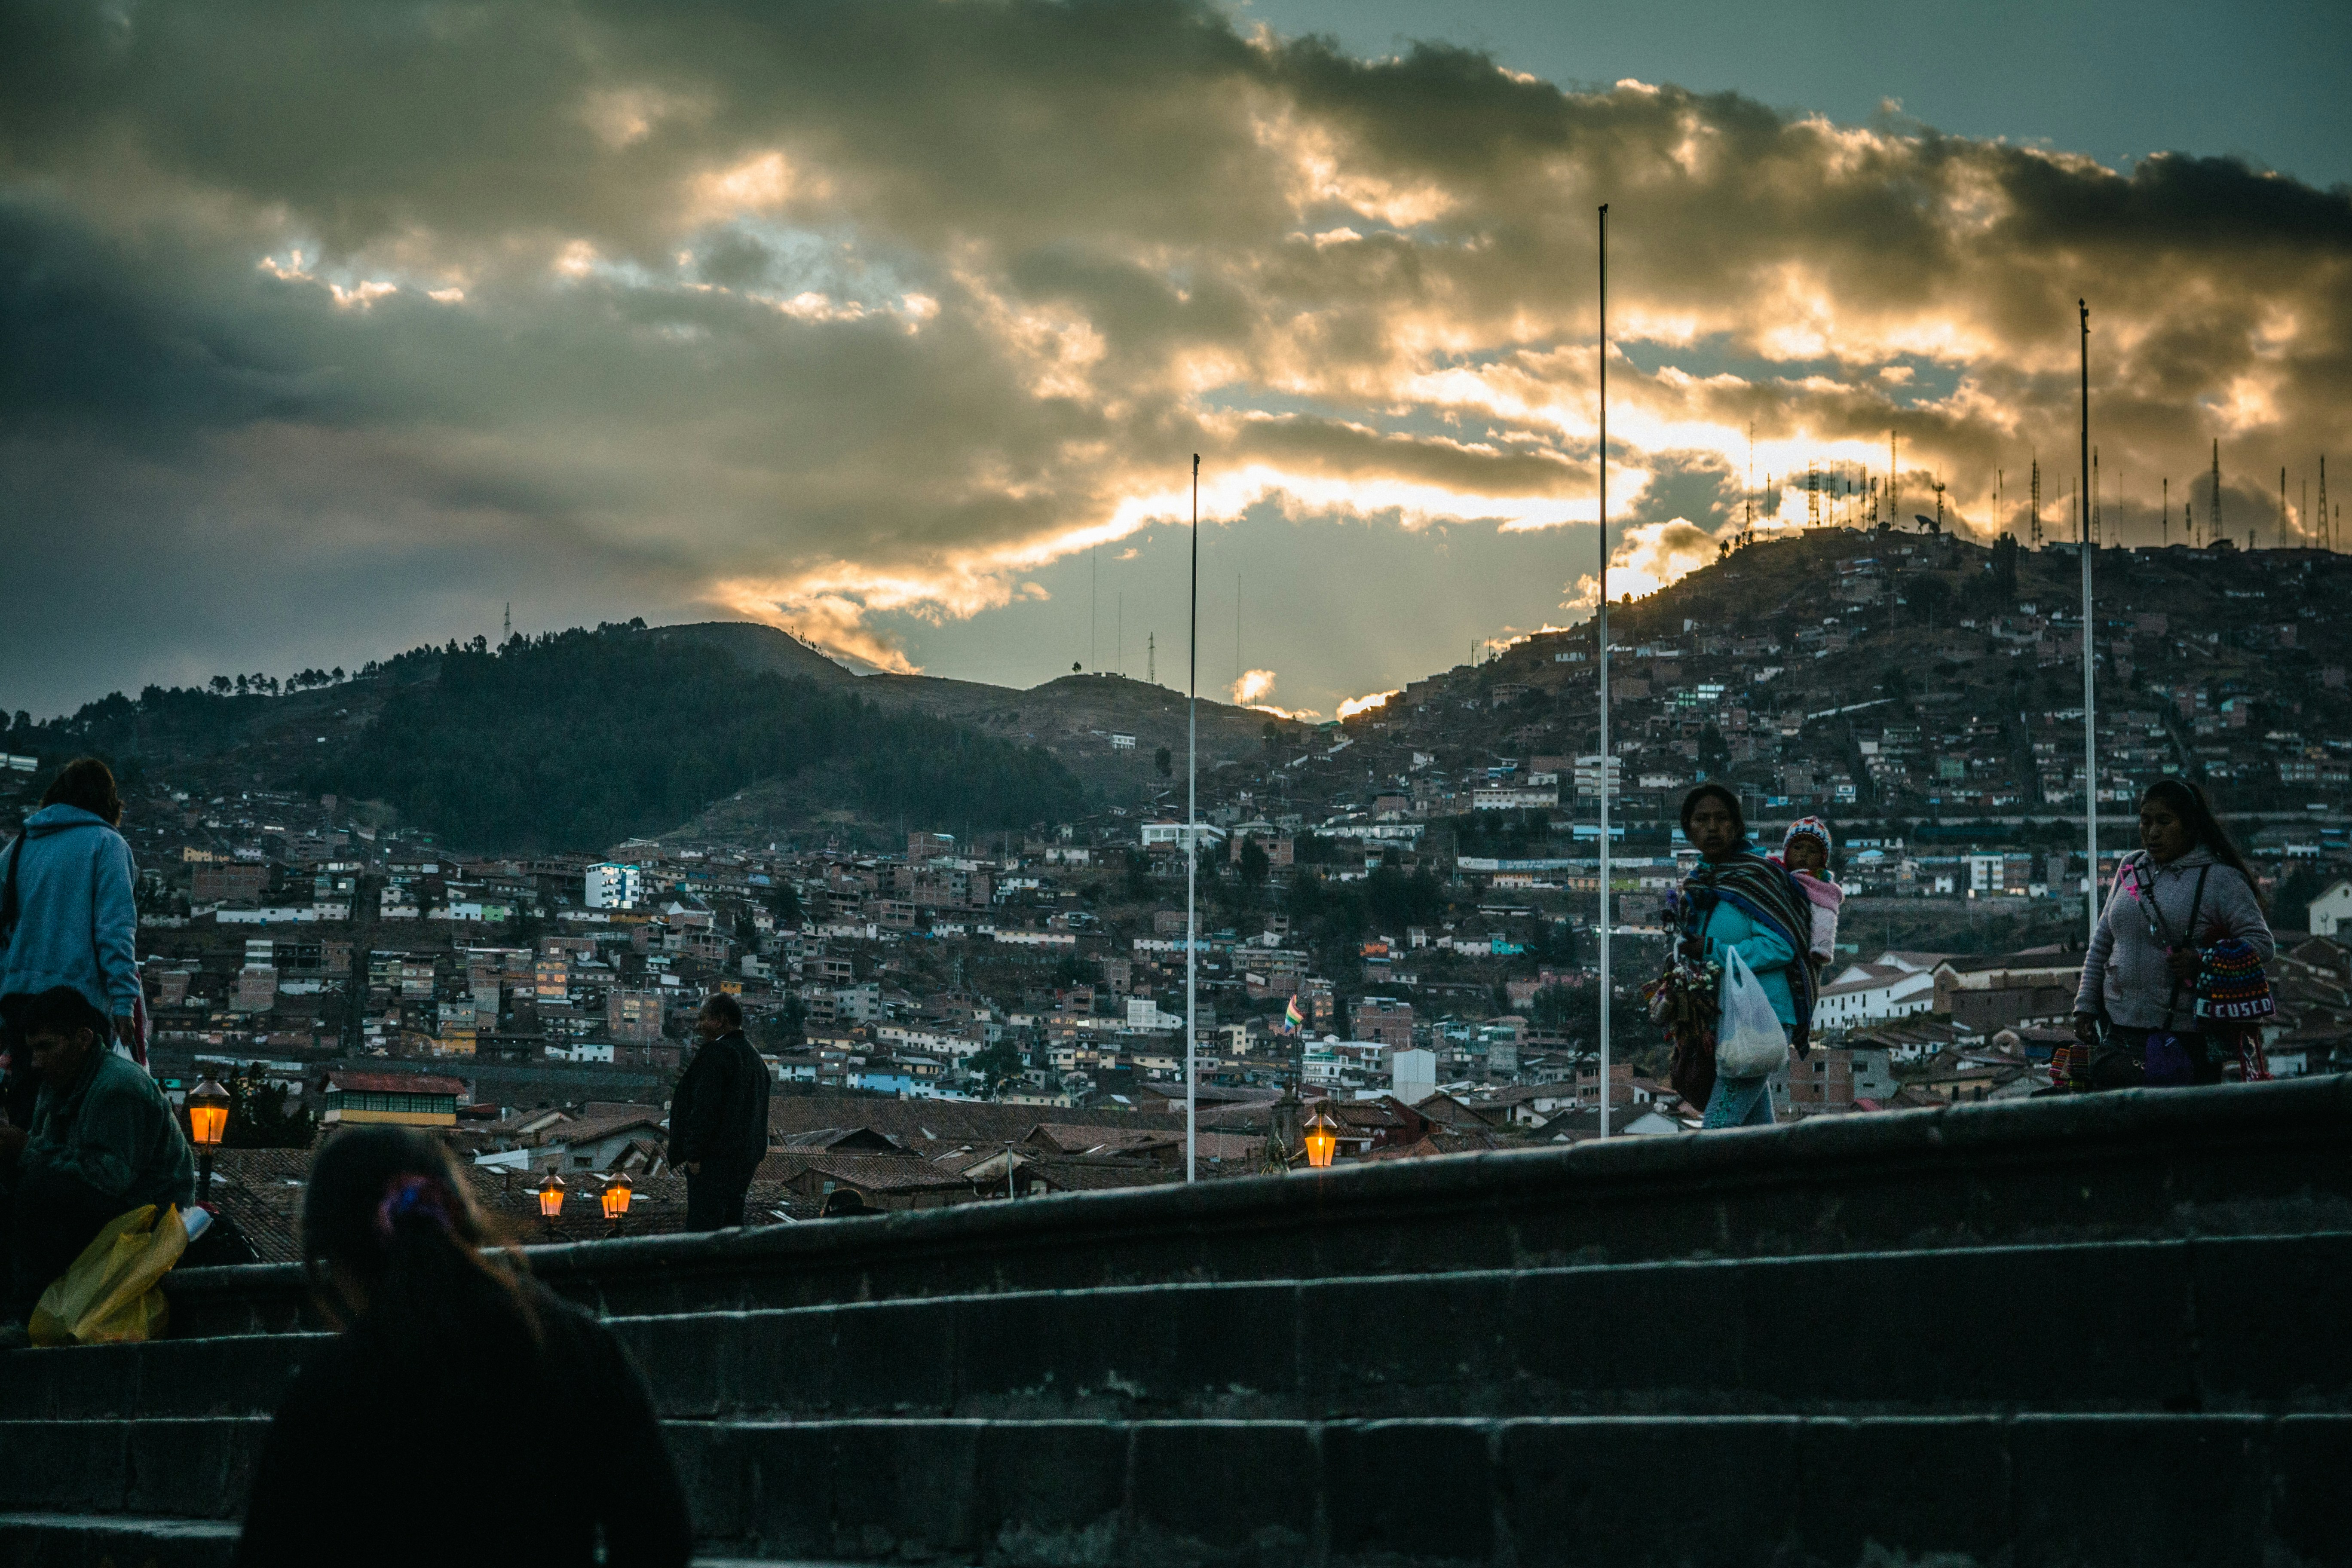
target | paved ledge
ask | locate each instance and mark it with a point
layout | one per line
(2235, 1159)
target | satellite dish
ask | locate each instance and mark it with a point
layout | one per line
(1925, 521)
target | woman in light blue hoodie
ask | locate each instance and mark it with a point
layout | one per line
(66, 913)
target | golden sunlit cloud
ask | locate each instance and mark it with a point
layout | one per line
(854, 319)
(1254, 686)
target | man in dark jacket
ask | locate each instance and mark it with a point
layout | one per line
(719, 1117)
(103, 1142)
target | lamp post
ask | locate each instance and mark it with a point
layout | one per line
(550, 1202)
(616, 1196)
(1322, 1139)
(208, 1121)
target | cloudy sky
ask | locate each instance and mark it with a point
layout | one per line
(327, 328)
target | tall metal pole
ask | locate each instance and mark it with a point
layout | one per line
(1192, 842)
(2089, 684)
(1603, 655)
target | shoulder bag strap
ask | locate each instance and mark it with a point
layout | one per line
(2196, 902)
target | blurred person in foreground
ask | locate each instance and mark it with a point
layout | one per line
(102, 1141)
(719, 1117)
(428, 1429)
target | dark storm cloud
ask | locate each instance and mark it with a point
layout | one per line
(823, 312)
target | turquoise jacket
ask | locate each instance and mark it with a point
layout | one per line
(1728, 928)
(114, 1131)
(77, 923)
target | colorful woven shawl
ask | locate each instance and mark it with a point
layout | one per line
(1766, 894)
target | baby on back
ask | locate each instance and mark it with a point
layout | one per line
(1805, 851)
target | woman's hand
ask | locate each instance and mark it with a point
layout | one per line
(2187, 964)
(1694, 949)
(2086, 1028)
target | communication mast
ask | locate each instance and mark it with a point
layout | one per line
(2213, 506)
(2163, 512)
(1813, 497)
(2035, 529)
(2326, 528)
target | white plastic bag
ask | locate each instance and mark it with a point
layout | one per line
(1749, 1042)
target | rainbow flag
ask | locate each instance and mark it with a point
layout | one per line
(1293, 1017)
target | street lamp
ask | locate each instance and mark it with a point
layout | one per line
(551, 1201)
(208, 1121)
(1322, 1139)
(616, 1194)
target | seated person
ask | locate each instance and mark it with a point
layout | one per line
(103, 1142)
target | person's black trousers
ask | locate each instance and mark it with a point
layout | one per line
(714, 1199)
(52, 1216)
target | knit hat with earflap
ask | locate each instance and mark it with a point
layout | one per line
(1808, 827)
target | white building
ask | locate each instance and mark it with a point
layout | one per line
(1864, 993)
(614, 886)
(1412, 1075)
(2331, 912)
(1178, 832)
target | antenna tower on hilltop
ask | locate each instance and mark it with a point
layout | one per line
(2214, 506)
(507, 634)
(1750, 527)
(1812, 496)
(2035, 530)
(2164, 514)
(2326, 528)
(1894, 485)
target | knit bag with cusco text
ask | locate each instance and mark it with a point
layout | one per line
(2232, 988)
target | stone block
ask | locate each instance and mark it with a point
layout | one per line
(2309, 1475)
(2139, 1488)
(789, 1489)
(193, 1468)
(1408, 1491)
(1923, 1489)
(243, 1374)
(67, 1467)
(2270, 1318)
(905, 1489)
(1224, 1494)
(1052, 1492)
(1648, 1490)
(1408, 1346)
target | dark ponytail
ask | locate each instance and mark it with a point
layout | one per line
(390, 1215)
(2188, 801)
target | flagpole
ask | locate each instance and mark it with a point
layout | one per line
(1192, 842)
(2090, 685)
(1603, 653)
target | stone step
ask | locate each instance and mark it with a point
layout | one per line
(2240, 1159)
(2211, 1324)
(78, 1541)
(2025, 1490)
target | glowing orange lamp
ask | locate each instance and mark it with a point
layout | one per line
(1322, 1139)
(616, 1194)
(207, 1113)
(551, 1199)
(207, 1123)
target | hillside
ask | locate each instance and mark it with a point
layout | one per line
(1868, 675)
(1920, 676)
(721, 728)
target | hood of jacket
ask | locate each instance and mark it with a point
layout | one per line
(57, 818)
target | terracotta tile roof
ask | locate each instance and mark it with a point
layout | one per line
(395, 1083)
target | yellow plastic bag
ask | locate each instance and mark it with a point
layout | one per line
(109, 1296)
